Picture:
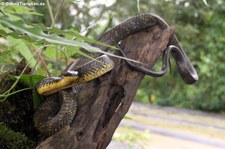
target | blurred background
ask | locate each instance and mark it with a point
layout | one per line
(166, 110)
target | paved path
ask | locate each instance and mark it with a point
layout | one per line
(175, 128)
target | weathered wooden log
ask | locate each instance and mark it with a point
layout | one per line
(102, 103)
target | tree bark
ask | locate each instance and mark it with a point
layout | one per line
(102, 103)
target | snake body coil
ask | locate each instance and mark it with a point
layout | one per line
(51, 116)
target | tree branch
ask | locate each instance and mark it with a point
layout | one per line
(102, 103)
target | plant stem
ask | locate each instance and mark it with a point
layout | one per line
(41, 59)
(50, 12)
(58, 8)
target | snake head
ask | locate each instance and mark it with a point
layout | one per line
(52, 85)
(184, 66)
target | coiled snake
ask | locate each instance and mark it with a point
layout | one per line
(48, 119)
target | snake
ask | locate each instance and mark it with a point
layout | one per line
(59, 107)
(49, 118)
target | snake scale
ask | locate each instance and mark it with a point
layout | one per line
(60, 105)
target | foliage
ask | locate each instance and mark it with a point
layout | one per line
(13, 140)
(19, 29)
(212, 67)
(202, 32)
(16, 110)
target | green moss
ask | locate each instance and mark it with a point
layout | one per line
(13, 140)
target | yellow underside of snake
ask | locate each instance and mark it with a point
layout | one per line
(52, 115)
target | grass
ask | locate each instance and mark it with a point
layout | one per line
(131, 137)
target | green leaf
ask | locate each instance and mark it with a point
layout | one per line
(18, 9)
(19, 45)
(6, 55)
(36, 99)
(34, 32)
(76, 34)
(5, 29)
(30, 80)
